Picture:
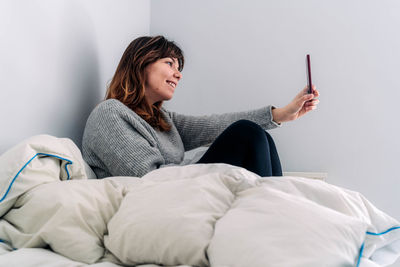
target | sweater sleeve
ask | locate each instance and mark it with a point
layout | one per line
(113, 146)
(197, 131)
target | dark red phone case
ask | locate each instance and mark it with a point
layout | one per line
(309, 83)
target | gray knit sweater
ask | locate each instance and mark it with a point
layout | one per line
(117, 142)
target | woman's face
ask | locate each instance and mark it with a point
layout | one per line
(161, 79)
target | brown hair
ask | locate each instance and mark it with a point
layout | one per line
(128, 83)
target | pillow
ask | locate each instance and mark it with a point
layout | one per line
(36, 160)
(382, 237)
(169, 223)
(268, 227)
(69, 216)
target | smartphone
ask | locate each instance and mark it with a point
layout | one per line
(308, 67)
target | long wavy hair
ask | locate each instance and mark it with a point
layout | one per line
(128, 83)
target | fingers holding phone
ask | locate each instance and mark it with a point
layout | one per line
(311, 104)
(306, 91)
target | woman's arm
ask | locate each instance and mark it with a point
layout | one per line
(197, 131)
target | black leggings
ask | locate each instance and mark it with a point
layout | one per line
(245, 144)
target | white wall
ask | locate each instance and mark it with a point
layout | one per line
(56, 57)
(245, 54)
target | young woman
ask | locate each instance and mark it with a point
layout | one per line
(131, 134)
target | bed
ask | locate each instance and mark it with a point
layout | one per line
(54, 213)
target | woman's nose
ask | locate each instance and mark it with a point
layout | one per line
(178, 75)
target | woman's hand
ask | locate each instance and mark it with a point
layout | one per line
(299, 106)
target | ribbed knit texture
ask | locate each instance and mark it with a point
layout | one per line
(117, 142)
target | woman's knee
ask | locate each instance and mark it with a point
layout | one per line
(248, 130)
(246, 125)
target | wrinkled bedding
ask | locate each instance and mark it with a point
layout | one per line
(196, 215)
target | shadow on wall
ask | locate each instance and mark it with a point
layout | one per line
(80, 72)
(49, 69)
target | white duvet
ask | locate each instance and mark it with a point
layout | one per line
(197, 215)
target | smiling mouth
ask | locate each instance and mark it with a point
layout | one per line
(172, 84)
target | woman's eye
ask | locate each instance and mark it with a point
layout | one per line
(170, 63)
